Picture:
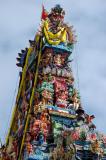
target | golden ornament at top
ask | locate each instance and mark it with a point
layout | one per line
(54, 39)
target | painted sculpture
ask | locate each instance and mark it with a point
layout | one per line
(49, 122)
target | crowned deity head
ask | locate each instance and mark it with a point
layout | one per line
(56, 15)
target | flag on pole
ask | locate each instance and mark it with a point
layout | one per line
(44, 13)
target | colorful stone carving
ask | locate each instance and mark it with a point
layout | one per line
(49, 122)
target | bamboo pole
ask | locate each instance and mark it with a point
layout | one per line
(19, 93)
(31, 101)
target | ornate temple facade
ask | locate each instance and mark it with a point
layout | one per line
(49, 122)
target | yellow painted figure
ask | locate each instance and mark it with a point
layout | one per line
(54, 39)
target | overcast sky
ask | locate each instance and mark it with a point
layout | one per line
(19, 21)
